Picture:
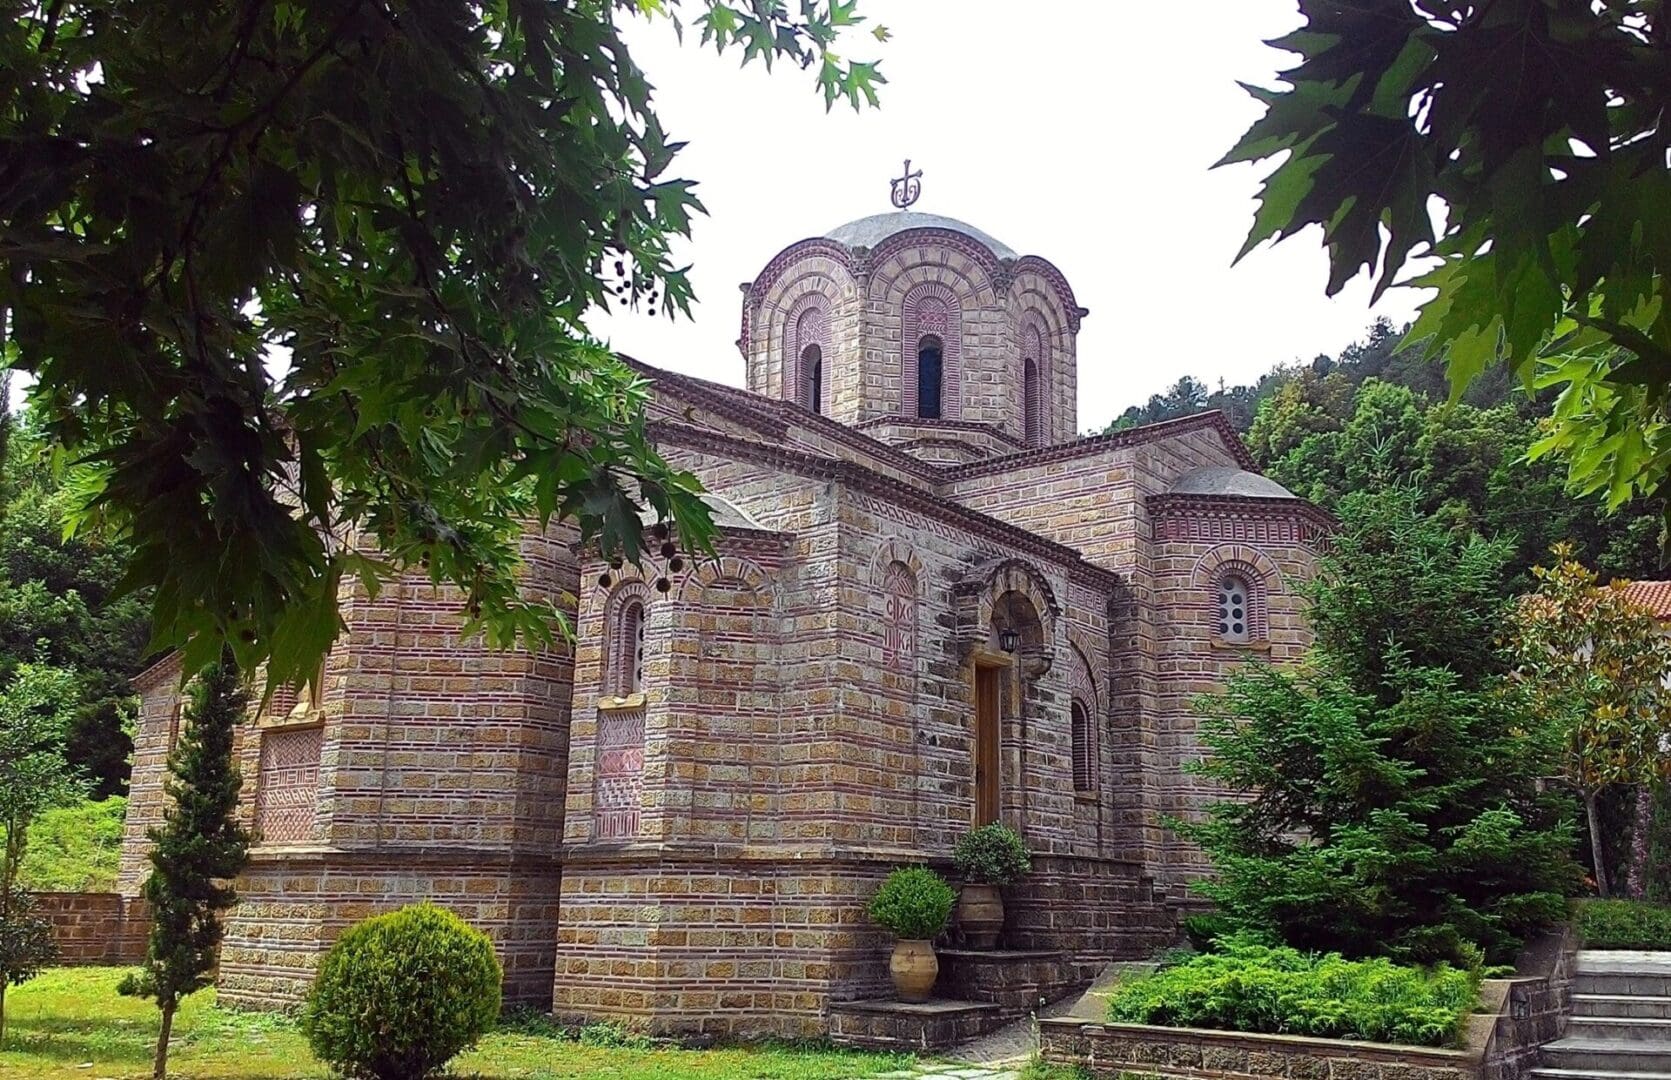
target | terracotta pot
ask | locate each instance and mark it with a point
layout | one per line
(980, 915)
(914, 968)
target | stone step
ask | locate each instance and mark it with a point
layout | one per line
(1615, 983)
(1628, 961)
(1632, 1005)
(1622, 1029)
(1606, 1055)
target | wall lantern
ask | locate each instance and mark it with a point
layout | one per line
(1008, 638)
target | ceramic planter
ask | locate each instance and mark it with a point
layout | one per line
(914, 968)
(980, 915)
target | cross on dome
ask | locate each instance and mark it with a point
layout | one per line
(907, 188)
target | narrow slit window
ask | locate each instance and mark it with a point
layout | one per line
(930, 372)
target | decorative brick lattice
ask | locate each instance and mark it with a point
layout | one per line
(1217, 529)
(618, 788)
(288, 787)
(899, 631)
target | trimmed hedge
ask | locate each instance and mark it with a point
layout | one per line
(1624, 924)
(1281, 991)
(914, 904)
(400, 995)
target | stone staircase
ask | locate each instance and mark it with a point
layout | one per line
(1621, 1020)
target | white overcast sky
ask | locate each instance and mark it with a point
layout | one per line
(1079, 130)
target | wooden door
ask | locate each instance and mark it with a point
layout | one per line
(987, 683)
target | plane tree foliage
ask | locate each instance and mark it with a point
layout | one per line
(299, 285)
(1511, 156)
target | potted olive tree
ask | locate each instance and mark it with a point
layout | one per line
(915, 905)
(989, 858)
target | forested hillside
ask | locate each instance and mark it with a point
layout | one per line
(58, 606)
(1369, 418)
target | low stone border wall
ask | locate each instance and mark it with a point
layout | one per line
(1128, 1051)
(96, 928)
(1516, 1017)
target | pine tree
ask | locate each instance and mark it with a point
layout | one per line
(197, 852)
(1386, 797)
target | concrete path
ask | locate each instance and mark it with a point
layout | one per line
(1002, 1054)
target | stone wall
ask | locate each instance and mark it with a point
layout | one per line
(95, 928)
(295, 904)
(1139, 1052)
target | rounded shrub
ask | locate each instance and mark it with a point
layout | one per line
(993, 854)
(400, 995)
(914, 903)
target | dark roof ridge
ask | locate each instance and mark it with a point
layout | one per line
(878, 483)
(1132, 436)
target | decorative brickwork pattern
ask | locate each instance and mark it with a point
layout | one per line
(287, 785)
(619, 791)
(899, 636)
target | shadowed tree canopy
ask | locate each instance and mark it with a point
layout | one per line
(1536, 128)
(300, 283)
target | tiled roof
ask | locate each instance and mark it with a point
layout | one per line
(1655, 595)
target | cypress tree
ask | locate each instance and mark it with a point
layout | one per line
(197, 852)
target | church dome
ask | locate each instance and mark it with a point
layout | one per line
(867, 232)
(1229, 480)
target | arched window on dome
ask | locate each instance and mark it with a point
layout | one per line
(1030, 418)
(1032, 389)
(931, 327)
(930, 376)
(812, 378)
(806, 340)
(1235, 609)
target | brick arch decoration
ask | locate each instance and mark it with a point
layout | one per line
(1252, 566)
(1085, 746)
(977, 594)
(724, 570)
(617, 650)
(1036, 345)
(932, 308)
(765, 285)
(807, 323)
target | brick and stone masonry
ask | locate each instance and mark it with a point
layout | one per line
(677, 822)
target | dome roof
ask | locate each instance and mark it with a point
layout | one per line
(1229, 480)
(867, 232)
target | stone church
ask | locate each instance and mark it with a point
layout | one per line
(934, 604)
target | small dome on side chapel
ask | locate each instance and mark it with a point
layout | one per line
(1229, 480)
(921, 329)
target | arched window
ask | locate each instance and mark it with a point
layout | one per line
(806, 339)
(931, 332)
(1235, 609)
(1033, 370)
(930, 370)
(1030, 418)
(1084, 748)
(812, 378)
(626, 650)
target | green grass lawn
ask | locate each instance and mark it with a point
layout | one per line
(69, 1024)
